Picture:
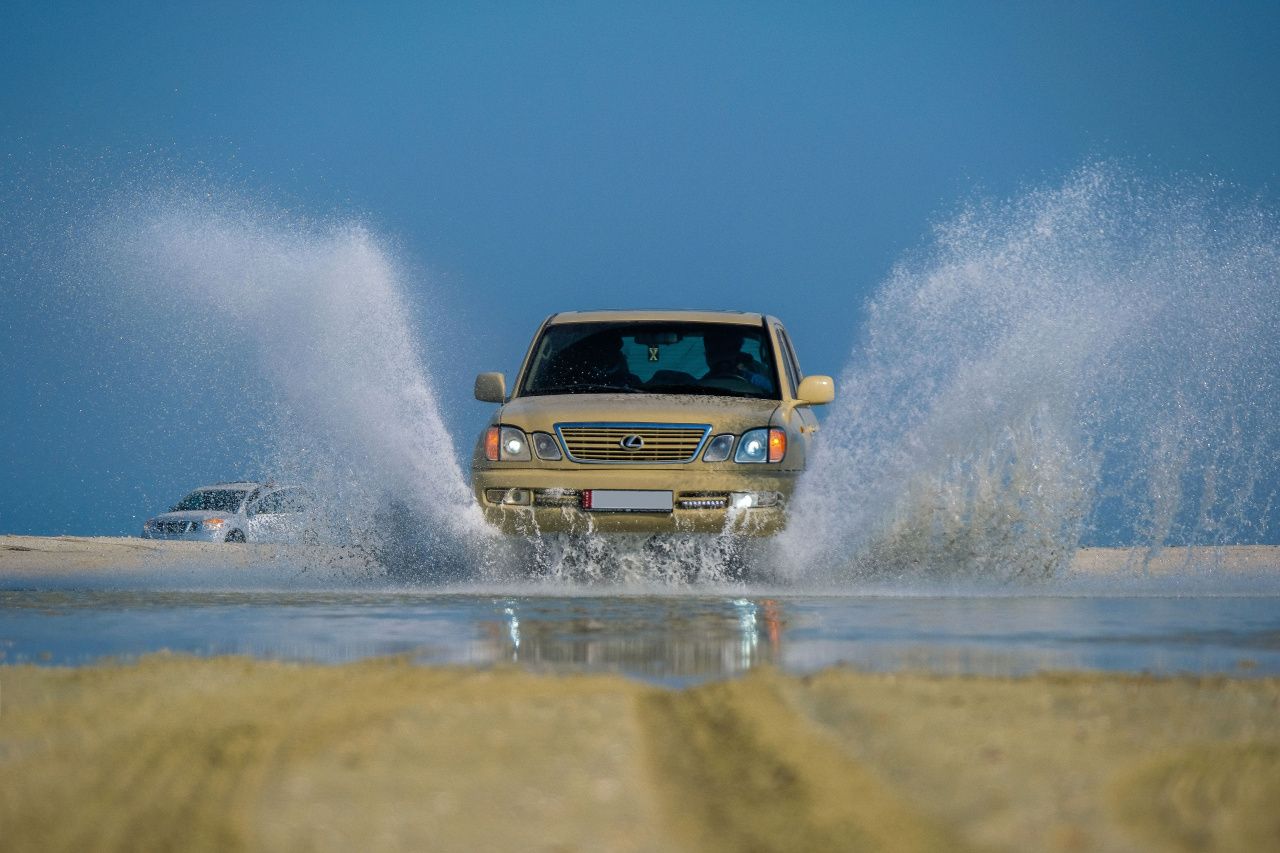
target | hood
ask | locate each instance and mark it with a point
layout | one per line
(724, 414)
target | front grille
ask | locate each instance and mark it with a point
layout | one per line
(660, 442)
(169, 528)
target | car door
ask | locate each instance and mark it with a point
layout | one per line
(273, 518)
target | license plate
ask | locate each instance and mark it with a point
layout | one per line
(626, 500)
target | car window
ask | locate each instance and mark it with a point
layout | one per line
(284, 500)
(211, 500)
(296, 500)
(793, 363)
(267, 504)
(653, 357)
(787, 362)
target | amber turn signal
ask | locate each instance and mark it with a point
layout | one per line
(492, 439)
(777, 445)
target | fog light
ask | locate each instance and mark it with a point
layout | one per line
(510, 497)
(752, 500)
(702, 503)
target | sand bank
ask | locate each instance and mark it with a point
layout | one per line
(22, 555)
(53, 555)
(240, 754)
(1226, 558)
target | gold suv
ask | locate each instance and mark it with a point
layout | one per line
(648, 422)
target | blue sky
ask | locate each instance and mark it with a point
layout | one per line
(528, 158)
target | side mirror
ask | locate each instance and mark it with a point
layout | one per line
(816, 390)
(491, 388)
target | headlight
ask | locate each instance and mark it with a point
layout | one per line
(514, 446)
(718, 448)
(762, 445)
(545, 446)
(506, 444)
(754, 446)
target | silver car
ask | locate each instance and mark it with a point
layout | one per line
(237, 512)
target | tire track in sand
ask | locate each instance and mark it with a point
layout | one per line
(741, 770)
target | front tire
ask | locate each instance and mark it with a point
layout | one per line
(235, 536)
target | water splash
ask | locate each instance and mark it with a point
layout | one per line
(1097, 362)
(308, 321)
(670, 561)
(1093, 363)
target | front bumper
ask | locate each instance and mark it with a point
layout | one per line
(186, 537)
(200, 535)
(556, 508)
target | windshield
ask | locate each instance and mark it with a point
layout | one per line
(717, 359)
(211, 500)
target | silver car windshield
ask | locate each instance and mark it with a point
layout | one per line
(716, 359)
(211, 500)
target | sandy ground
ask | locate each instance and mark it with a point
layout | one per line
(22, 555)
(229, 754)
(238, 754)
(1228, 558)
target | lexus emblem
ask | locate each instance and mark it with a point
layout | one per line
(632, 442)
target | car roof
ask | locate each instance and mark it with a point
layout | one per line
(234, 485)
(737, 318)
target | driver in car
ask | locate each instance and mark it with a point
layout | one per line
(726, 359)
(595, 360)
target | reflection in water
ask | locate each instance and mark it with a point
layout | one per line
(662, 639)
(513, 629)
(673, 639)
(747, 623)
